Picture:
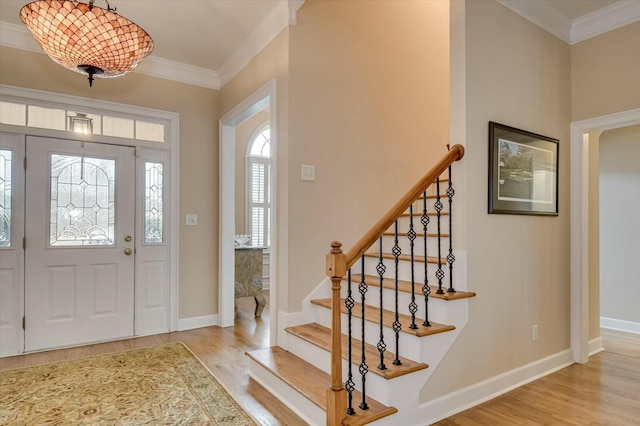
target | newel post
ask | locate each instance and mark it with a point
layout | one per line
(336, 394)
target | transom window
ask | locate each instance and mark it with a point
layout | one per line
(259, 188)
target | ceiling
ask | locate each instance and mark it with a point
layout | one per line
(209, 41)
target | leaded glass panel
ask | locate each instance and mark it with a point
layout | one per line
(153, 207)
(82, 201)
(6, 161)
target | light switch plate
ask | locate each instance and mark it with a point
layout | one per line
(191, 220)
(308, 173)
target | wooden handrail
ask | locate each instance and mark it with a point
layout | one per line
(455, 153)
(338, 263)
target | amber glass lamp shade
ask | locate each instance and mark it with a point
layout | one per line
(86, 38)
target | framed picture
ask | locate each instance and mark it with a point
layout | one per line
(523, 172)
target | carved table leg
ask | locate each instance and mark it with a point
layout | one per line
(260, 301)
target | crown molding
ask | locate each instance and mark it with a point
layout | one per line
(276, 21)
(18, 37)
(608, 18)
(178, 71)
(294, 6)
(616, 15)
(543, 16)
(283, 15)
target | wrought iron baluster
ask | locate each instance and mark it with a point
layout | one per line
(413, 308)
(382, 346)
(426, 289)
(363, 368)
(450, 257)
(349, 384)
(438, 207)
(396, 322)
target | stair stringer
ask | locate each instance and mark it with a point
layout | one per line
(305, 316)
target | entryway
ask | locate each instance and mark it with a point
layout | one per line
(88, 221)
(79, 254)
(261, 100)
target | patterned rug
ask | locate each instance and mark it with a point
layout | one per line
(161, 385)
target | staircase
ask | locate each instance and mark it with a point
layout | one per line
(376, 294)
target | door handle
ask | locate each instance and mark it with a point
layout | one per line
(127, 238)
(128, 251)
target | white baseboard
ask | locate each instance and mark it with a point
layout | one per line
(197, 322)
(620, 325)
(455, 402)
(595, 346)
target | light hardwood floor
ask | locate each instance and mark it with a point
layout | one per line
(605, 391)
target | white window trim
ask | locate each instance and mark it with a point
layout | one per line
(172, 119)
(248, 202)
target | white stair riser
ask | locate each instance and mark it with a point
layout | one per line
(438, 308)
(409, 344)
(432, 226)
(378, 387)
(307, 410)
(418, 246)
(404, 271)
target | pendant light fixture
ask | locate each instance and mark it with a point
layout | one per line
(86, 38)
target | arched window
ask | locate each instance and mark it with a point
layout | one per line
(259, 188)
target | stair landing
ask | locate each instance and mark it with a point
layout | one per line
(312, 383)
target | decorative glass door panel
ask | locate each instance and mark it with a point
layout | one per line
(6, 160)
(82, 201)
(79, 257)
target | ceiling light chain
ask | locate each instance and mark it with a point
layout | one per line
(109, 8)
(86, 38)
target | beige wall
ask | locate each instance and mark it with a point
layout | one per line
(272, 63)
(516, 74)
(244, 131)
(605, 73)
(198, 155)
(619, 225)
(369, 108)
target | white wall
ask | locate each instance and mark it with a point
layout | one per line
(620, 228)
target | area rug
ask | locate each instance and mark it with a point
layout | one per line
(161, 385)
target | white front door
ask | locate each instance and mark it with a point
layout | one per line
(79, 228)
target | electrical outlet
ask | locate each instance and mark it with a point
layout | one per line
(534, 333)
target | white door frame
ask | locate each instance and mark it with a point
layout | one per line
(580, 222)
(261, 99)
(144, 150)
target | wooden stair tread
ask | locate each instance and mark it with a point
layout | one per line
(416, 258)
(321, 336)
(313, 383)
(418, 234)
(405, 287)
(372, 314)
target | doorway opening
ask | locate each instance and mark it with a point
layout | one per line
(581, 346)
(249, 213)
